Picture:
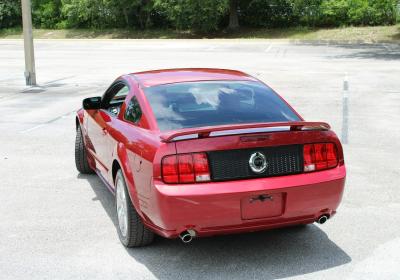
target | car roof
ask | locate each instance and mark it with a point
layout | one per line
(170, 76)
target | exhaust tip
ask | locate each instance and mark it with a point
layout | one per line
(322, 220)
(186, 238)
(187, 235)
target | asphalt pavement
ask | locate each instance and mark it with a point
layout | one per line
(57, 224)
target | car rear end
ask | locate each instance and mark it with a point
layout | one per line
(243, 177)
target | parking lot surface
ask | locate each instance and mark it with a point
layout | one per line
(57, 224)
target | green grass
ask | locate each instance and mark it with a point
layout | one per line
(16, 33)
(365, 34)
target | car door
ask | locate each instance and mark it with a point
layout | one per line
(100, 122)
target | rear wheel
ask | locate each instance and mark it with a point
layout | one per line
(131, 230)
(81, 160)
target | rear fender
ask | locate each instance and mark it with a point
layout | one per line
(123, 160)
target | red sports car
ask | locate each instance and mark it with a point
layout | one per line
(200, 152)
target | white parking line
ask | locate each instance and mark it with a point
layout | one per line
(268, 49)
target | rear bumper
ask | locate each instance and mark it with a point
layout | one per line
(215, 208)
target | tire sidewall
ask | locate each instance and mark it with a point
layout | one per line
(124, 239)
(83, 160)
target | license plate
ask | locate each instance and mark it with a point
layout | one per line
(262, 206)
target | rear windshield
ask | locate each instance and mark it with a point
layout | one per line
(196, 104)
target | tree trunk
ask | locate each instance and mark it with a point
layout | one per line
(233, 14)
(126, 17)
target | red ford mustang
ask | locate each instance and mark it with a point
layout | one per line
(200, 152)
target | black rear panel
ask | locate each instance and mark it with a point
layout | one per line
(234, 164)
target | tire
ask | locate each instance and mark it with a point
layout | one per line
(131, 230)
(81, 160)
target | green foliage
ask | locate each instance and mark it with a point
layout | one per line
(334, 12)
(89, 13)
(384, 11)
(136, 12)
(358, 12)
(10, 13)
(107, 13)
(281, 13)
(46, 13)
(268, 13)
(307, 12)
(200, 15)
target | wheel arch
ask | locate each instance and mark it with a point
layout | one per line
(77, 123)
(79, 118)
(114, 169)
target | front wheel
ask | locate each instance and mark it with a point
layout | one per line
(131, 230)
(81, 160)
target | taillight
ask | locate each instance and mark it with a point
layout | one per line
(319, 156)
(170, 169)
(185, 168)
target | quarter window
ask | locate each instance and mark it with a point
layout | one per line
(133, 112)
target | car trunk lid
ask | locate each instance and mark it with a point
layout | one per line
(231, 151)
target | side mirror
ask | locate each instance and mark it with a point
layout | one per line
(92, 103)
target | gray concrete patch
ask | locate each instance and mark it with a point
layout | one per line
(57, 224)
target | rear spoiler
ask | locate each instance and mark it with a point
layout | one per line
(204, 132)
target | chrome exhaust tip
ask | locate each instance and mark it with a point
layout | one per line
(187, 235)
(322, 220)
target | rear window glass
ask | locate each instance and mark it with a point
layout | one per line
(196, 104)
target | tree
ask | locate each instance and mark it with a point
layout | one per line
(233, 15)
(135, 12)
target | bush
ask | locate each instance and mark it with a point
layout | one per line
(46, 13)
(384, 11)
(10, 13)
(108, 13)
(358, 12)
(90, 13)
(281, 13)
(201, 15)
(267, 13)
(307, 12)
(334, 12)
(137, 13)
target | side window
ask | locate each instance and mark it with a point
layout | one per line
(133, 112)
